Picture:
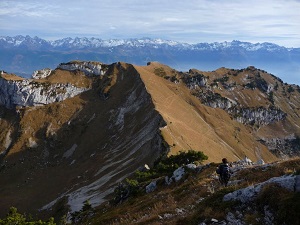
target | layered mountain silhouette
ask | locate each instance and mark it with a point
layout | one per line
(24, 54)
(71, 134)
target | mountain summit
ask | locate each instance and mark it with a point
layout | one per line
(71, 134)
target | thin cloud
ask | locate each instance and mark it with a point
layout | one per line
(190, 21)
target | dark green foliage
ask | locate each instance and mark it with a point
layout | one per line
(171, 78)
(13, 218)
(250, 85)
(142, 176)
(130, 187)
(169, 164)
(276, 86)
(290, 89)
(184, 158)
(261, 84)
(271, 97)
(276, 78)
(164, 166)
(257, 82)
(79, 216)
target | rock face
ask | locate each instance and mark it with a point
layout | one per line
(249, 193)
(89, 68)
(284, 147)
(40, 74)
(215, 100)
(193, 82)
(199, 86)
(31, 93)
(260, 116)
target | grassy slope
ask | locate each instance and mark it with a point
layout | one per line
(191, 125)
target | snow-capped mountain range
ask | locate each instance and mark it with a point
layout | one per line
(24, 54)
(80, 43)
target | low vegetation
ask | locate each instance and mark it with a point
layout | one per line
(163, 167)
(14, 217)
(198, 198)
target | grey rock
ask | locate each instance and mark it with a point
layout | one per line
(89, 68)
(151, 187)
(40, 74)
(249, 193)
(25, 93)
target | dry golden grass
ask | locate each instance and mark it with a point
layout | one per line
(191, 125)
(13, 77)
(76, 78)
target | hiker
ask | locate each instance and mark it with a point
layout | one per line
(224, 172)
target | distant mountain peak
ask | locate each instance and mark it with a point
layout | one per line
(24, 54)
(134, 42)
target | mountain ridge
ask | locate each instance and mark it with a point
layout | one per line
(24, 54)
(82, 42)
(80, 147)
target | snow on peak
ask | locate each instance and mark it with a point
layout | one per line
(84, 42)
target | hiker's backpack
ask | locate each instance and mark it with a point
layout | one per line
(224, 170)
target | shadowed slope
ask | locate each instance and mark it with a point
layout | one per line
(80, 148)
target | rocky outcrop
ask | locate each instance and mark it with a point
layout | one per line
(193, 82)
(250, 193)
(260, 116)
(215, 100)
(32, 93)
(89, 68)
(40, 74)
(283, 147)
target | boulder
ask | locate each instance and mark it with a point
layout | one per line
(250, 193)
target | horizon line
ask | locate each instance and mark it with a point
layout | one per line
(145, 37)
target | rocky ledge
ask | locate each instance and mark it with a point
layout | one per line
(22, 93)
(89, 68)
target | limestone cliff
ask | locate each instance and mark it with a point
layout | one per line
(32, 93)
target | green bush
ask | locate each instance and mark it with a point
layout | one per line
(290, 89)
(184, 158)
(167, 165)
(85, 212)
(164, 166)
(13, 217)
(142, 176)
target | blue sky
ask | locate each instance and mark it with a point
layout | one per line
(193, 21)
